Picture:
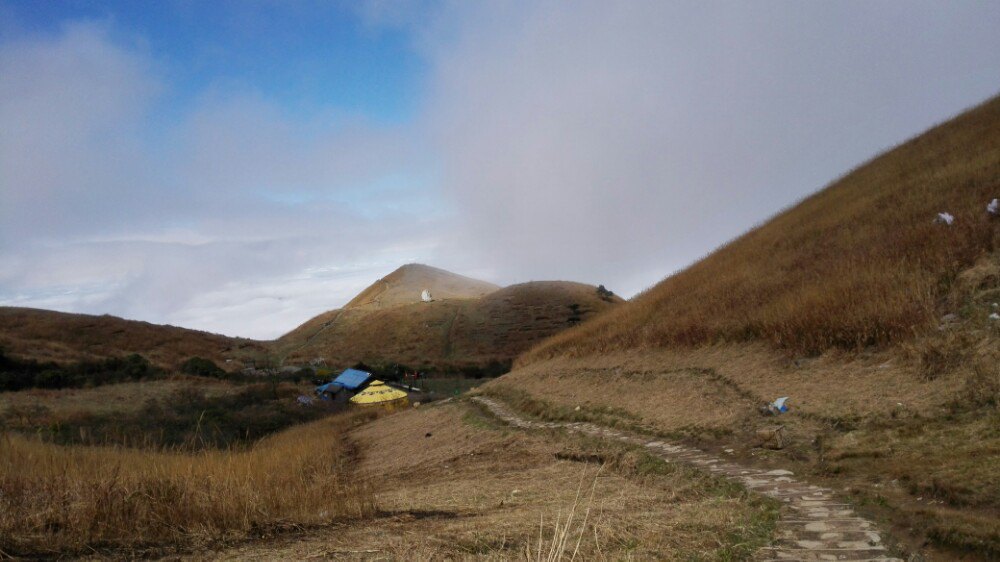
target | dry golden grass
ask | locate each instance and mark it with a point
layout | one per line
(405, 284)
(474, 489)
(922, 452)
(859, 263)
(718, 388)
(71, 499)
(46, 335)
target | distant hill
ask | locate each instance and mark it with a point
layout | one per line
(46, 335)
(405, 284)
(470, 323)
(863, 262)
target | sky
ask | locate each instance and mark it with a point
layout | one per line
(240, 166)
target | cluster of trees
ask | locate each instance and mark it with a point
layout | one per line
(21, 374)
(395, 371)
(17, 374)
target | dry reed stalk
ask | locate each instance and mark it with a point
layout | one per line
(67, 499)
(561, 529)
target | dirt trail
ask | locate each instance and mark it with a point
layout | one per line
(813, 524)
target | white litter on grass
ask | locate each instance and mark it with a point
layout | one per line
(994, 207)
(994, 316)
(945, 218)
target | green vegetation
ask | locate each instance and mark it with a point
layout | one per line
(445, 386)
(604, 293)
(396, 371)
(202, 367)
(187, 419)
(22, 374)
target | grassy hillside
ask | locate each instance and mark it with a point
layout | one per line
(451, 333)
(859, 263)
(873, 318)
(405, 284)
(46, 335)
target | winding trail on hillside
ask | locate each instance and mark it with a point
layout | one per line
(812, 526)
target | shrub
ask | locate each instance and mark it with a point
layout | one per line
(18, 375)
(202, 368)
(187, 419)
(604, 293)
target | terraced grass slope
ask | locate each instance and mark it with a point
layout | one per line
(445, 334)
(860, 263)
(47, 335)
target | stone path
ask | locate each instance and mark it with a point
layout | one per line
(813, 525)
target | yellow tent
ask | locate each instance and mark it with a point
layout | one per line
(377, 394)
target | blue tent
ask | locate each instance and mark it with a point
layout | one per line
(351, 379)
(328, 387)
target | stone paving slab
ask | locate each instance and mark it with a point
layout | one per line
(813, 524)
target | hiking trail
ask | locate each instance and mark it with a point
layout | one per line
(812, 526)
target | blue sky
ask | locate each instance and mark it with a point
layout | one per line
(307, 55)
(240, 166)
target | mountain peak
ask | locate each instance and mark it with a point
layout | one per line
(405, 285)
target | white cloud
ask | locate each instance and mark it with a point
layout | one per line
(222, 223)
(616, 141)
(606, 142)
(68, 129)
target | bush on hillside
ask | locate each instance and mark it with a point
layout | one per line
(18, 374)
(604, 293)
(201, 367)
(188, 418)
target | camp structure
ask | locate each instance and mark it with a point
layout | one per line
(351, 379)
(379, 394)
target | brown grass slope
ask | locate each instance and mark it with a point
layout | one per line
(404, 285)
(46, 335)
(859, 263)
(401, 287)
(453, 333)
